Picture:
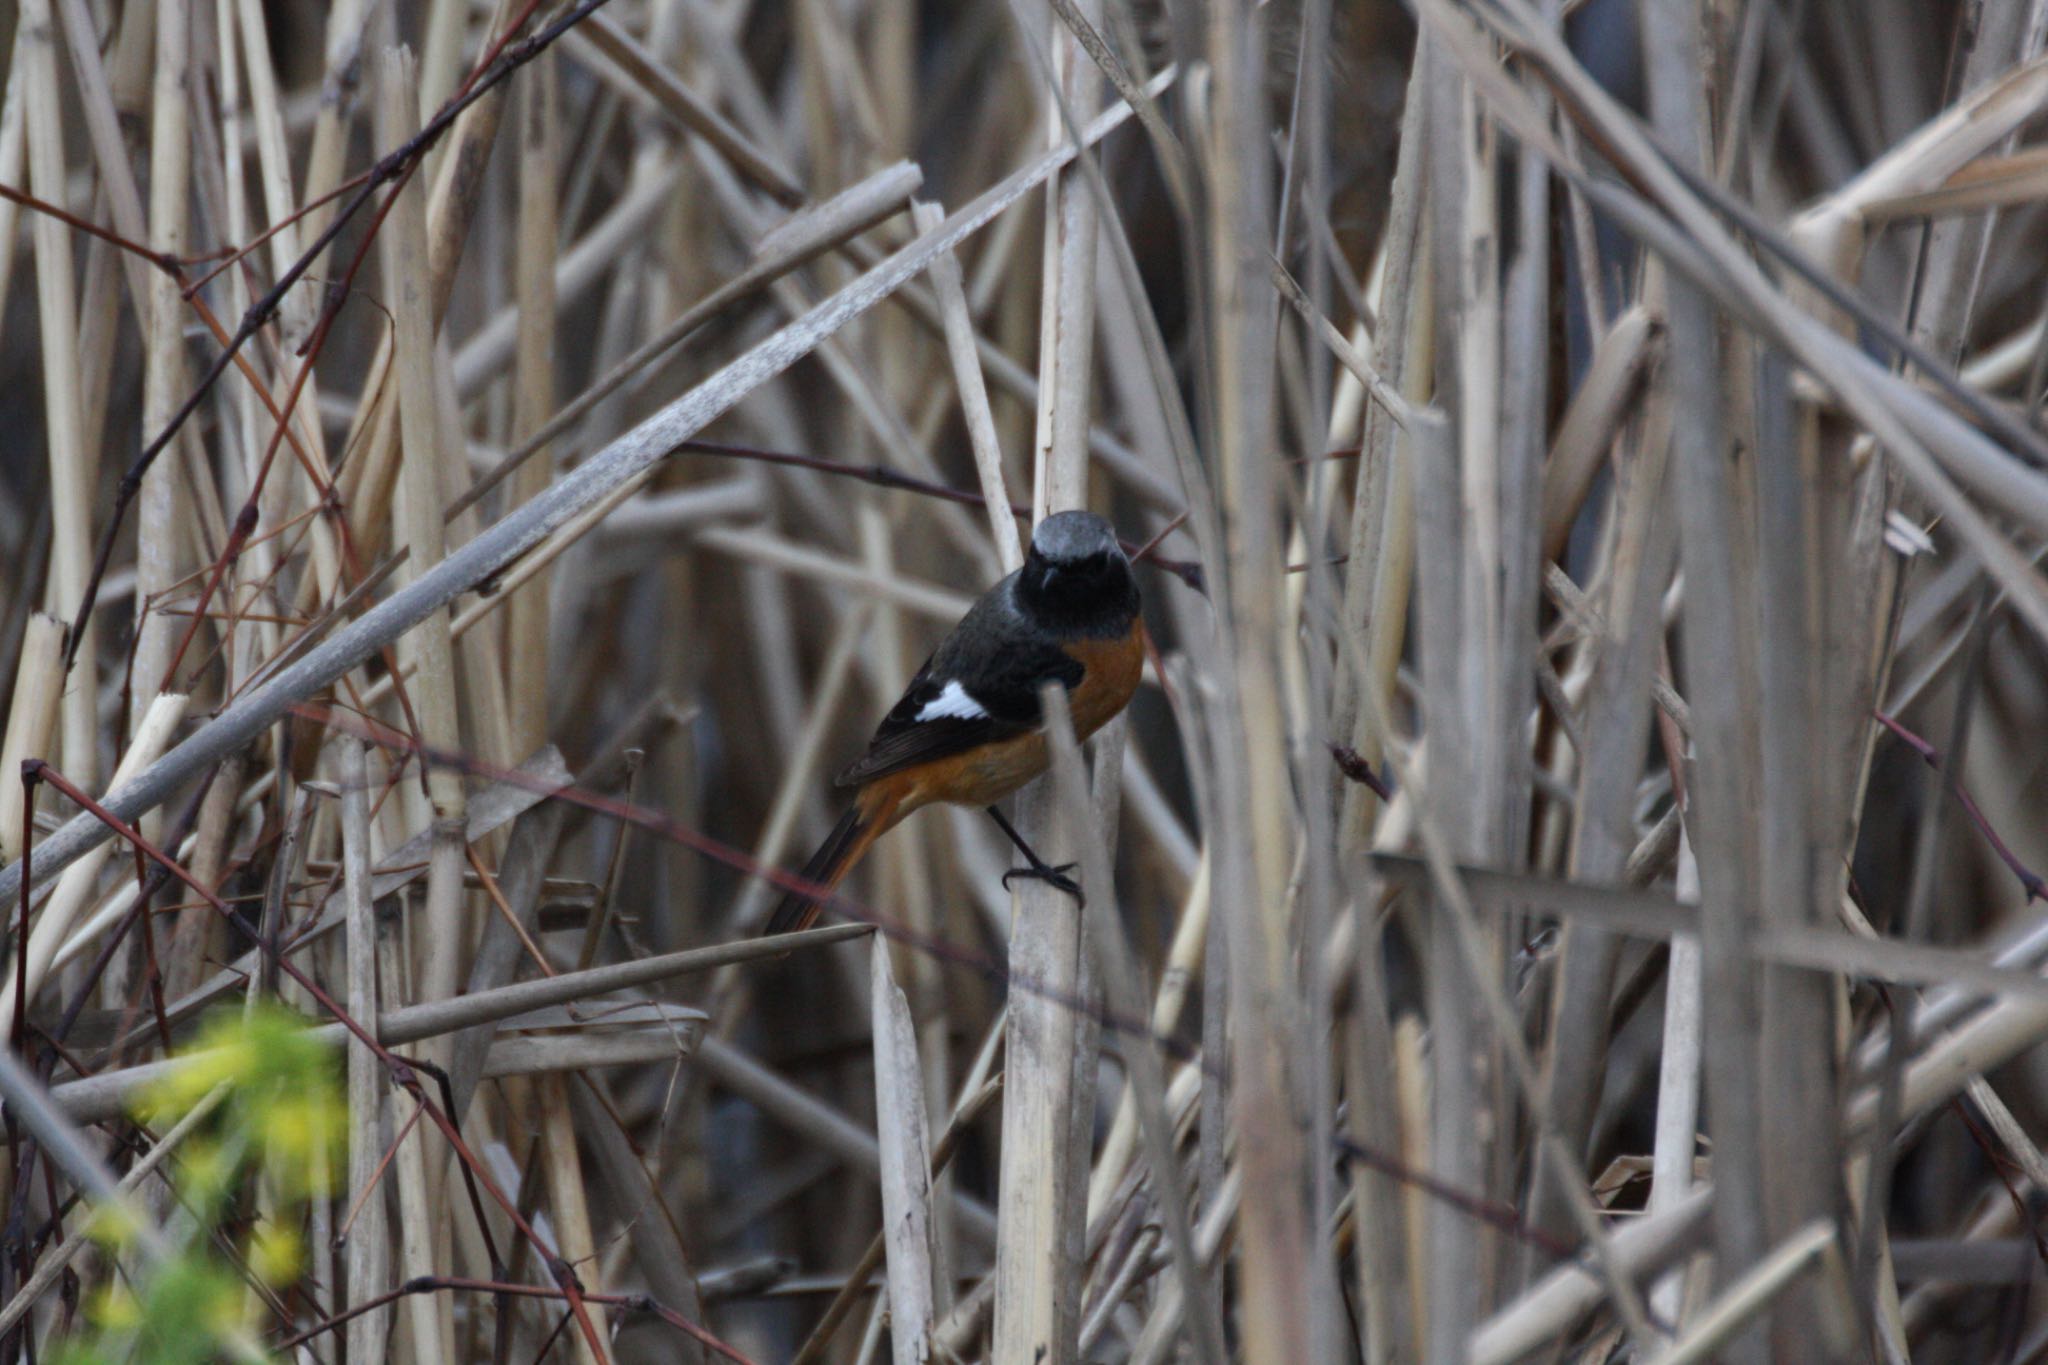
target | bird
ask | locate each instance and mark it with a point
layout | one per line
(969, 729)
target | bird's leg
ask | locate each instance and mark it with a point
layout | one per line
(1039, 869)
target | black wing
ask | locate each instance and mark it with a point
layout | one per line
(995, 679)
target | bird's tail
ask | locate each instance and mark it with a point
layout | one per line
(863, 823)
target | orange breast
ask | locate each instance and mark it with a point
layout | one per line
(1113, 670)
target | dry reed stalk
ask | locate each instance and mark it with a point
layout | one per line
(1183, 960)
(273, 160)
(1037, 1310)
(1124, 994)
(1316, 1101)
(342, 62)
(441, 53)
(71, 463)
(443, 942)
(1454, 1285)
(1378, 579)
(368, 1245)
(164, 379)
(1252, 848)
(31, 717)
(246, 647)
(367, 480)
(1673, 1154)
(906, 1165)
(117, 181)
(1754, 1291)
(566, 1199)
(967, 379)
(526, 629)
(99, 1097)
(13, 155)
(429, 1323)
(1617, 665)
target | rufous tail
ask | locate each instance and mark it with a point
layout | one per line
(863, 823)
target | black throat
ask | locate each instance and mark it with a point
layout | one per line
(1093, 597)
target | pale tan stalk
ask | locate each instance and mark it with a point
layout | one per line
(110, 153)
(366, 483)
(442, 936)
(248, 646)
(1037, 1312)
(566, 1194)
(31, 717)
(72, 462)
(164, 371)
(343, 70)
(1183, 962)
(973, 391)
(441, 53)
(369, 1247)
(274, 173)
(538, 113)
(1148, 1083)
(13, 155)
(1252, 844)
(906, 1165)
(429, 1324)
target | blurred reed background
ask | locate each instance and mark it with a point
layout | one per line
(1565, 889)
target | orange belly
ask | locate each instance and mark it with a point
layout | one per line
(986, 775)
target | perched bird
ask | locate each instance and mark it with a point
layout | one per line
(969, 729)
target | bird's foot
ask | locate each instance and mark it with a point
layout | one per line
(1054, 877)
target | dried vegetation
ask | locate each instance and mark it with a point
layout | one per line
(1565, 888)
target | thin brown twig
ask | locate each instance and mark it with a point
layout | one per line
(2030, 881)
(429, 1284)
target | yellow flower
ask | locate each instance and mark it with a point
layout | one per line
(112, 1225)
(297, 1132)
(191, 1078)
(115, 1309)
(207, 1168)
(276, 1254)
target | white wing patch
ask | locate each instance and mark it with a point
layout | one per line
(952, 702)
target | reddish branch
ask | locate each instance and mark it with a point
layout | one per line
(2030, 881)
(1352, 764)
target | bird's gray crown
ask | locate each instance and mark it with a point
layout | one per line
(1067, 536)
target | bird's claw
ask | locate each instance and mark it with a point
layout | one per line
(1054, 877)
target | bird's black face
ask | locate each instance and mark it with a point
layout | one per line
(1076, 577)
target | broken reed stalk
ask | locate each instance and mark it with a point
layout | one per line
(71, 462)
